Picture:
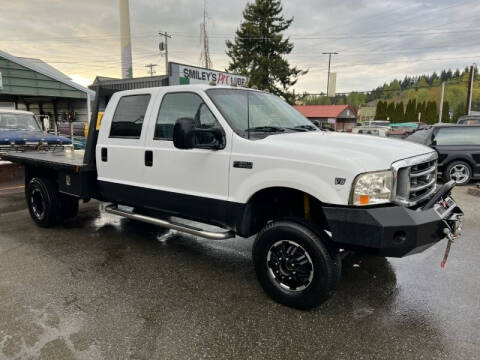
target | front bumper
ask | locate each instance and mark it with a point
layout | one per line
(395, 230)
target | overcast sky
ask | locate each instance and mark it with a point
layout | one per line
(377, 40)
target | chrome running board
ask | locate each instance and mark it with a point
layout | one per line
(212, 235)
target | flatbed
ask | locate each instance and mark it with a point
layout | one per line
(59, 160)
(68, 168)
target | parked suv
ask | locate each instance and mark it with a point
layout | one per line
(469, 120)
(458, 148)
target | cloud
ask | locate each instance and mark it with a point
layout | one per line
(377, 40)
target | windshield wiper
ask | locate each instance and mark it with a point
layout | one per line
(306, 127)
(266, 129)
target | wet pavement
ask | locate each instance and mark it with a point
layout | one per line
(101, 287)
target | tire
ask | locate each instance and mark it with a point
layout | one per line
(458, 170)
(276, 269)
(43, 201)
(334, 253)
(69, 206)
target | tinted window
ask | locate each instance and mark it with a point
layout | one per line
(128, 118)
(420, 136)
(182, 105)
(458, 136)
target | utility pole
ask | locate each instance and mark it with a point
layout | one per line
(329, 60)
(151, 66)
(470, 89)
(205, 54)
(166, 36)
(441, 103)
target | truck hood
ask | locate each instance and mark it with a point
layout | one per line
(20, 137)
(361, 152)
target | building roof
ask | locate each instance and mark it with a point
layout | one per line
(45, 69)
(323, 111)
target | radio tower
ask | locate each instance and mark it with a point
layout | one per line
(205, 54)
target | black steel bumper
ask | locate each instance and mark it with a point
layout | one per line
(395, 230)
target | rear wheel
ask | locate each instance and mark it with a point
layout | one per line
(459, 171)
(293, 264)
(43, 202)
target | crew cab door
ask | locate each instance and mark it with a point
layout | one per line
(190, 183)
(121, 144)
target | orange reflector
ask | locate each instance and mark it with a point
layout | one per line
(99, 120)
(364, 199)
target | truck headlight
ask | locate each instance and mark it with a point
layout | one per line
(372, 188)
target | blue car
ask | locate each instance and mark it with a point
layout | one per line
(20, 130)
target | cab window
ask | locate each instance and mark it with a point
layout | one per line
(467, 135)
(128, 119)
(182, 105)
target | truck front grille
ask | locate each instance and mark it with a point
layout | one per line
(415, 179)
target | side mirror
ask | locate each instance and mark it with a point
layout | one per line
(187, 136)
(184, 133)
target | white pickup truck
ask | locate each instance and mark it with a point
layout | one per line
(249, 163)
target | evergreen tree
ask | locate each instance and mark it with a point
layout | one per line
(446, 112)
(449, 74)
(381, 111)
(411, 111)
(391, 111)
(420, 110)
(399, 112)
(431, 116)
(443, 75)
(259, 48)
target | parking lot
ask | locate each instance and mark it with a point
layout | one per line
(100, 287)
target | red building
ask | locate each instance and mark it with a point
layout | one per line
(336, 117)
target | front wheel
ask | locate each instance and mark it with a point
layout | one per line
(293, 264)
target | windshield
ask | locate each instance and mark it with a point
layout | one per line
(420, 136)
(12, 121)
(251, 112)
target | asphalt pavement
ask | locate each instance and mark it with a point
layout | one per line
(102, 287)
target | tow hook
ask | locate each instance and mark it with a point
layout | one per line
(452, 232)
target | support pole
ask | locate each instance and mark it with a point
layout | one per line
(470, 89)
(440, 113)
(329, 61)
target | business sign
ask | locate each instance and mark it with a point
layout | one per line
(332, 84)
(1, 81)
(181, 74)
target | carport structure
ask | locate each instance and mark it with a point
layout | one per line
(33, 85)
